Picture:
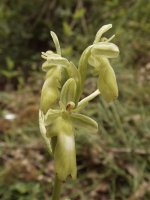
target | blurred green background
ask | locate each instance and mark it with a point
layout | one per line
(115, 163)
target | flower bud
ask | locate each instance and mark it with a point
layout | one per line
(106, 49)
(107, 83)
(50, 92)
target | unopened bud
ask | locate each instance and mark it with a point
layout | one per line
(107, 83)
(106, 49)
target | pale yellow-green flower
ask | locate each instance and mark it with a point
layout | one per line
(60, 106)
(97, 55)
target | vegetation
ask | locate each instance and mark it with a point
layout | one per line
(114, 164)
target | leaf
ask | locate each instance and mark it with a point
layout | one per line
(67, 29)
(51, 115)
(82, 121)
(10, 63)
(79, 13)
(68, 91)
(20, 187)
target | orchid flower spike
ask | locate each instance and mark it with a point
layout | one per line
(60, 105)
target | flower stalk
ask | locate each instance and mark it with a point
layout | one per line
(60, 106)
(57, 189)
(89, 98)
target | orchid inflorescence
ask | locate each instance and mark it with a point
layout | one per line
(60, 106)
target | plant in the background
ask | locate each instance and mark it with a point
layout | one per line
(60, 106)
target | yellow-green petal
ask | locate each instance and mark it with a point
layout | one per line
(83, 122)
(106, 49)
(68, 92)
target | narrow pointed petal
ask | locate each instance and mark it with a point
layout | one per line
(101, 31)
(74, 73)
(56, 42)
(68, 92)
(81, 121)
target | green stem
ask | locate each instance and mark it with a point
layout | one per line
(57, 189)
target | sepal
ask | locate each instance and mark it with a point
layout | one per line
(56, 42)
(107, 49)
(107, 84)
(74, 73)
(101, 31)
(43, 131)
(52, 60)
(68, 92)
(51, 115)
(81, 121)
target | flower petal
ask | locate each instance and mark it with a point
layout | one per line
(82, 121)
(74, 73)
(101, 31)
(51, 115)
(108, 50)
(43, 131)
(68, 92)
